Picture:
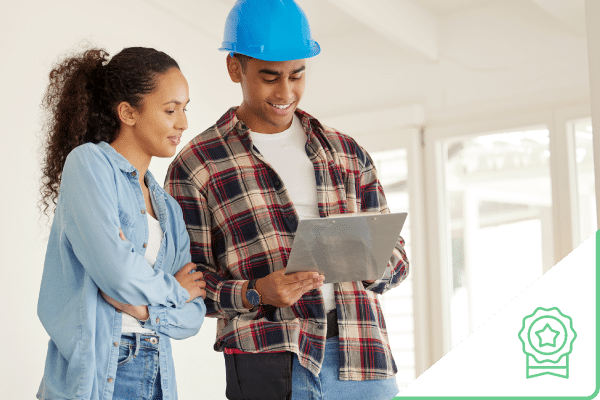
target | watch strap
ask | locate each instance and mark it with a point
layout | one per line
(252, 286)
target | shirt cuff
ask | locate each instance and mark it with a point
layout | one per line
(379, 284)
(230, 297)
(180, 298)
(157, 318)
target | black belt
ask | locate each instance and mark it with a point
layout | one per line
(332, 324)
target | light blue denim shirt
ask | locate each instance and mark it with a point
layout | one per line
(100, 193)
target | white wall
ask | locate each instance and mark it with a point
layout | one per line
(32, 36)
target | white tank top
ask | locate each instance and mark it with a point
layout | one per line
(286, 153)
(155, 235)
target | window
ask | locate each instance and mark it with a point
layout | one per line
(499, 221)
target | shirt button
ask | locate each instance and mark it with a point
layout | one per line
(158, 320)
(143, 211)
(321, 326)
(290, 217)
(115, 344)
(145, 245)
(110, 380)
(277, 183)
(134, 174)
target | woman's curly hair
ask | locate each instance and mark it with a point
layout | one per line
(81, 104)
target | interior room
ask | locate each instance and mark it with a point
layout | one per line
(477, 114)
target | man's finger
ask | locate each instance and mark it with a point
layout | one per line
(306, 284)
(312, 286)
(302, 276)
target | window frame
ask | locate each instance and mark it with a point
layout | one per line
(410, 138)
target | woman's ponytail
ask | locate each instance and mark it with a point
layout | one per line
(81, 101)
(68, 102)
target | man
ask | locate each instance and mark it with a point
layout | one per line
(243, 185)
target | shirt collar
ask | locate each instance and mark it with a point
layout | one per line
(125, 165)
(121, 161)
(230, 124)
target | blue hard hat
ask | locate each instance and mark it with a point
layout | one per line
(270, 30)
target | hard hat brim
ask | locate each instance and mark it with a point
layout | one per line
(281, 55)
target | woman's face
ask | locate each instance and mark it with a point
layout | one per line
(161, 119)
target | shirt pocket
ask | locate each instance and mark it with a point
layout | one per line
(125, 218)
(127, 224)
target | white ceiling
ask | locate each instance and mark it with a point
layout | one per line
(442, 7)
(451, 57)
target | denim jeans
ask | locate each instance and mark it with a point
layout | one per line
(306, 386)
(138, 374)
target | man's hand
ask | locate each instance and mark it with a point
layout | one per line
(282, 290)
(192, 282)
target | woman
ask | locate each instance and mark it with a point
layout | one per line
(117, 279)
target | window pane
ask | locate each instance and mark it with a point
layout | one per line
(584, 161)
(499, 219)
(397, 304)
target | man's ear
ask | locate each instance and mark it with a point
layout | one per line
(127, 114)
(234, 67)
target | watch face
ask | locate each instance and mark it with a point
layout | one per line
(253, 297)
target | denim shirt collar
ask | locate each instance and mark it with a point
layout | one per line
(121, 161)
(125, 165)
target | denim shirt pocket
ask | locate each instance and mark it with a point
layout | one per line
(127, 223)
(125, 218)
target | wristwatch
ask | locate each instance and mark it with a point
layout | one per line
(252, 294)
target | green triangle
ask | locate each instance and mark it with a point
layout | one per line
(490, 361)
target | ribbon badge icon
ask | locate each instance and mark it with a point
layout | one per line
(547, 336)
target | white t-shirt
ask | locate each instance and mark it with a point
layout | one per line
(286, 153)
(155, 235)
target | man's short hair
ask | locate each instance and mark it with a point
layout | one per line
(243, 60)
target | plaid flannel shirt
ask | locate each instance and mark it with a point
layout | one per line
(241, 223)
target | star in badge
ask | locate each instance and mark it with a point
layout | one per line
(547, 336)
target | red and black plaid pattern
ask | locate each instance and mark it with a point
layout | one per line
(241, 222)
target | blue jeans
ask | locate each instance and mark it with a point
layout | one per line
(306, 386)
(138, 373)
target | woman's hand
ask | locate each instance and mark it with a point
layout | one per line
(192, 282)
(138, 312)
